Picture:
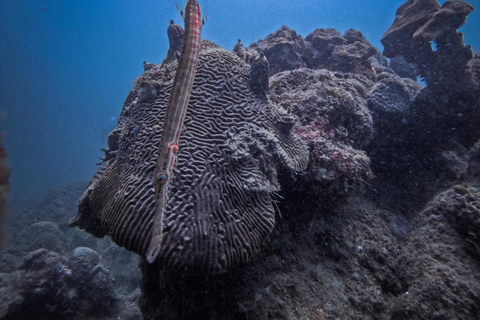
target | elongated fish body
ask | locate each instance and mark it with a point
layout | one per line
(174, 118)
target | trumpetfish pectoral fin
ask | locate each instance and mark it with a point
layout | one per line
(174, 117)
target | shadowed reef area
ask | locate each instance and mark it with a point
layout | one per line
(318, 180)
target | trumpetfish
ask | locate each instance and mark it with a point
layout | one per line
(174, 118)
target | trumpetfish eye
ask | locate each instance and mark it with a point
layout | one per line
(162, 178)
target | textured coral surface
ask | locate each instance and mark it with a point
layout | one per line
(219, 208)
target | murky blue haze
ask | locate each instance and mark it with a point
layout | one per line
(67, 66)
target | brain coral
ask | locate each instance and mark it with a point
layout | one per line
(219, 210)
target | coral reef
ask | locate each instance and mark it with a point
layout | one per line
(382, 223)
(460, 206)
(57, 287)
(283, 50)
(441, 120)
(440, 267)
(336, 254)
(175, 41)
(353, 261)
(219, 208)
(321, 49)
(335, 122)
(348, 53)
(390, 102)
(426, 34)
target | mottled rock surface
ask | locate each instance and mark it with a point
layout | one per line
(441, 268)
(52, 287)
(321, 49)
(334, 122)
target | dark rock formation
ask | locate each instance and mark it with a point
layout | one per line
(440, 268)
(335, 123)
(53, 287)
(474, 66)
(4, 190)
(245, 54)
(94, 281)
(410, 17)
(175, 41)
(45, 275)
(321, 49)
(473, 169)
(403, 68)
(380, 249)
(391, 97)
(60, 284)
(148, 66)
(460, 206)
(283, 50)
(426, 34)
(390, 101)
(259, 77)
(442, 119)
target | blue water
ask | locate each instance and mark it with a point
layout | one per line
(67, 66)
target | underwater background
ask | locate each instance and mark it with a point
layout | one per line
(349, 183)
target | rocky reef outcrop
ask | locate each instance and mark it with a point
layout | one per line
(321, 49)
(48, 272)
(441, 123)
(57, 287)
(360, 231)
(425, 33)
(334, 122)
(381, 221)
